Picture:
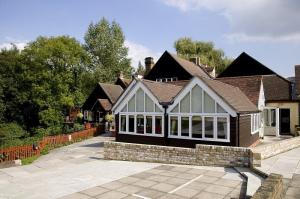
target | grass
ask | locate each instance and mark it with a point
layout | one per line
(29, 160)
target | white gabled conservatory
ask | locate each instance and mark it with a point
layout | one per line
(199, 114)
(141, 114)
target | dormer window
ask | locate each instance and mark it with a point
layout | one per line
(169, 79)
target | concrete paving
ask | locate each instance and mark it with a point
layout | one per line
(65, 171)
(168, 181)
(286, 164)
(293, 191)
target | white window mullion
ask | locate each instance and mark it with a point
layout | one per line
(190, 126)
(215, 128)
(144, 123)
(203, 127)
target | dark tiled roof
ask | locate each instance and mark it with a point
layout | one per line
(232, 95)
(191, 67)
(245, 65)
(164, 92)
(105, 104)
(276, 88)
(112, 91)
(250, 85)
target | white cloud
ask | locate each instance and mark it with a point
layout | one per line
(9, 44)
(138, 52)
(252, 20)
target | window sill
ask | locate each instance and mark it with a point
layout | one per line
(140, 134)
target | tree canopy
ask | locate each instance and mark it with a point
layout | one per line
(104, 42)
(209, 55)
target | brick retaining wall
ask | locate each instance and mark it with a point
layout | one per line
(202, 155)
(271, 188)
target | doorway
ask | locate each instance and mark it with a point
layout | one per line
(284, 121)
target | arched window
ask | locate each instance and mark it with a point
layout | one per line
(198, 116)
(141, 116)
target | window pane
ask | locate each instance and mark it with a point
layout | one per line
(158, 125)
(174, 125)
(140, 100)
(185, 104)
(209, 104)
(220, 109)
(148, 124)
(196, 127)
(123, 123)
(149, 104)
(157, 109)
(175, 109)
(196, 100)
(124, 109)
(209, 127)
(222, 127)
(131, 105)
(131, 123)
(184, 126)
(273, 117)
(140, 124)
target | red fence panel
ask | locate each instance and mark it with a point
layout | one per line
(22, 152)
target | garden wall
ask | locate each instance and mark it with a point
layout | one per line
(202, 155)
(271, 188)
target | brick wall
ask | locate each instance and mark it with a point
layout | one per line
(271, 188)
(202, 155)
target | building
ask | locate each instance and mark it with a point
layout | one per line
(180, 104)
(270, 92)
(100, 101)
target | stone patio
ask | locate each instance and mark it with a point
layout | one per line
(170, 182)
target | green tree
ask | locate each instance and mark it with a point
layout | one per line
(209, 55)
(105, 44)
(11, 84)
(53, 73)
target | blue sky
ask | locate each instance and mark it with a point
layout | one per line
(268, 30)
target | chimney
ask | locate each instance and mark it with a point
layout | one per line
(149, 63)
(297, 81)
(195, 60)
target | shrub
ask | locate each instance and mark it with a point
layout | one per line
(11, 133)
(78, 127)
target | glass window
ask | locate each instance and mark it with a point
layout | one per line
(157, 109)
(174, 125)
(175, 109)
(123, 123)
(140, 124)
(131, 104)
(209, 127)
(196, 99)
(222, 128)
(140, 100)
(196, 127)
(131, 123)
(124, 109)
(149, 104)
(185, 104)
(149, 124)
(209, 104)
(185, 126)
(273, 117)
(158, 124)
(220, 109)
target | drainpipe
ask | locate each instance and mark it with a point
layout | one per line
(166, 123)
(238, 129)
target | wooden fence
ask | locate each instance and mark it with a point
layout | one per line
(22, 152)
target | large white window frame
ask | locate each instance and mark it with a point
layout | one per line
(125, 112)
(255, 122)
(215, 115)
